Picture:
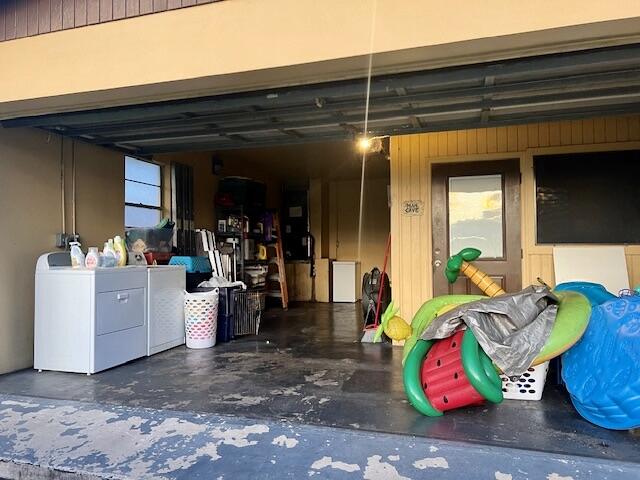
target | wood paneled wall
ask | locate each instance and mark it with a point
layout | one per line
(344, 210)
(24, 18)
(411, 160)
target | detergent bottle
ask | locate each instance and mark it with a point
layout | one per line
(109, 257)
(110, 246)
(121, 250)
(77, 257)
(92, 259)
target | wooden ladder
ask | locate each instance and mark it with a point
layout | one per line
(281, 275)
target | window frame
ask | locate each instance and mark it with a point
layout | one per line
(569, 150)
(143, 205)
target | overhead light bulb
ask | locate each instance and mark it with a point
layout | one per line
(364, 144)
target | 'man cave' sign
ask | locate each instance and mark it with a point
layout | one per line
(412, 207)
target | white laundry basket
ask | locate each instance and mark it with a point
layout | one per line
(201, 318)
(529, 386)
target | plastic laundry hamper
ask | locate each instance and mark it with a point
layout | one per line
(529, 386)
(201, 318)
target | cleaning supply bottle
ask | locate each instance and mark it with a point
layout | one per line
(92, 259)
(121, 250)
(77, 257)
(111, 247)
(109, 258)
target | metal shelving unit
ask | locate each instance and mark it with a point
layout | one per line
(241, 263)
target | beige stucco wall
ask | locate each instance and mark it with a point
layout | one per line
(246, 44)
(30, 196)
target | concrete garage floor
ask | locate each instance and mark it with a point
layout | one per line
(308, 368)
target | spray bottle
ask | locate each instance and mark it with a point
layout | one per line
(77, 257)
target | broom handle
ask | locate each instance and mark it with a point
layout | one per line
(481, 280)
(384, 270)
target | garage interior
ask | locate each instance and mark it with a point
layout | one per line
(307, 364)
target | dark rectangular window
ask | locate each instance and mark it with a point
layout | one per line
(588, 197)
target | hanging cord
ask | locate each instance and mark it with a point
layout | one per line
(62, 185)
(73, 187)
(366, 124)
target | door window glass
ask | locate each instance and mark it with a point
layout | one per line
(476, 214)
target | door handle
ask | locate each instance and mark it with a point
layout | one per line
(437, 263)
(123, 297)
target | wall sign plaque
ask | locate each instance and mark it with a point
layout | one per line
(413, 208)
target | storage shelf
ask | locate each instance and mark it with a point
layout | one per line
(229, 234)
(255, 236)
(256, 262)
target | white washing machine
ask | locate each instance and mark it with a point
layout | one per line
(87, 321)
(165, 307)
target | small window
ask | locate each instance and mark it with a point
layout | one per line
(142, 193)
(588, 198)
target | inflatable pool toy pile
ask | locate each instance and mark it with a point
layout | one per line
(454, 372)
(596, 332)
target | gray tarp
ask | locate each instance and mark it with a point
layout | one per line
(511, 328)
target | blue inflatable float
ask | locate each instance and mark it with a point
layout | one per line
(602, 370)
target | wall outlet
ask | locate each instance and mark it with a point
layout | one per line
(64, 239)
(61, 240)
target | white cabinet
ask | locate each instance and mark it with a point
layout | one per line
(346, 281)
(89, 320)
(165, 307)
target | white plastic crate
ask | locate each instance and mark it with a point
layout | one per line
(529, 386)
(201, 318)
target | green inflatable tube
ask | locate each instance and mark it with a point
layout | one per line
(411, 379)
(574, 312)
(479, 369)
(427, 312)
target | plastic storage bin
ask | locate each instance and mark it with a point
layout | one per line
(529, 386)
(226, 313)
(192, 264)
(149, 239)
(200, 317)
